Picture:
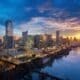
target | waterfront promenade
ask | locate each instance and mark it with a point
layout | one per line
(20, 66)
(28, 59)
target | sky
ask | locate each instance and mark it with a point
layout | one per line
(41, 16)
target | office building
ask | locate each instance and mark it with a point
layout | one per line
(24, 37)
(39, 41)
(8, 39)
(57, 37)
(49, 40)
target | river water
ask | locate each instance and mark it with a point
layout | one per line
(66, 67)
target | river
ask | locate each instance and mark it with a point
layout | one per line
(66, 67)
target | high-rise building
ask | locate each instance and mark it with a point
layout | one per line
(9, 42)
(49, 40)
(1, 44)
(24, 36)
(57, 37)
(37, 41)
(9, 28)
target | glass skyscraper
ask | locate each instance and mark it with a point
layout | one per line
(9, 42)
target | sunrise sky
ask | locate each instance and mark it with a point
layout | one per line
(41, 16)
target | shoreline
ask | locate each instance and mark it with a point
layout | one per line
(22, 69)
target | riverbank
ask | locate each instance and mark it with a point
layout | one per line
(20, 70)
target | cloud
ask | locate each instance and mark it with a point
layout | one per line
(41, 16)
(39, 25)
(33, 27)
(42, 25)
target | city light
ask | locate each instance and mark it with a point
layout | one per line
(39, 39)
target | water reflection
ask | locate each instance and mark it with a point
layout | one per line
(39, 73)
(62, 67)
(67, 67)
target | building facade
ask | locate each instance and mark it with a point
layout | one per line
(8, 38)
(57, 37)
(49, 40)
(24, 37)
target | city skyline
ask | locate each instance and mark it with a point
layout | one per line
(40, 16)
(39, 39)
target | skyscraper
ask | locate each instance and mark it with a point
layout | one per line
(24, 36)
(39, 41)
(9, 42)
(49, 40)
(57, 37)
(9, 28)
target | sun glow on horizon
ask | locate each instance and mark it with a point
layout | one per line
(77, 35)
